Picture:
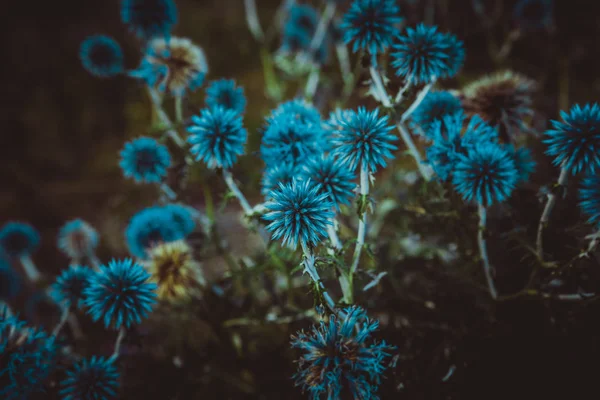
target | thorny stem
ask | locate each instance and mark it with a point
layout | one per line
(163, 117)
(413, 151)
(403, 90)
(420, 97)
(252, 20)
(322, 27)
(562, 181)
(333, 236)
(63, 318)
(344, 60)
(171, 195)
(33, 274)
(380, 89)
(122, 333)
(312, 83)
(487, 269)
(236, 191)
(94, 261)
(309, 267)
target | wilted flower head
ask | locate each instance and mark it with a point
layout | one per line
(174, 65)
(120, 294)
(532, 15)
(298, 212)
(434, 107)
(340, 359)
(503, 99)
(68, 288)
(145, 160)
(18, 239)
(91, 379)
(589, 198)
(149, 18)
(575, 142)
(101, 56)
(174, 270)
(276, 174)
(77, 238)
(224, 92)
(364, 138)
(217, 137)
(335, 178)
(371, 25)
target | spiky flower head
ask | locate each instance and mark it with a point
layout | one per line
(335, 178)
(68, 288)
(340, 359)
(101, 56)
(91, 379)
(10, 281)
(423, 54)
(174, 65)
(145, 160)
(120, 294)
(278, 173)
(486, 174)
(371, 25)
(18, 239)
(174, 270)
(77, 238)
(502, 99)
(183, 216)
(225, 93)
(434, 107)
(298, 110)
(298, 212)
(149, 18)
(364, 138)
(589, 198)
(575, 142)
(524, 162)
(530, 15)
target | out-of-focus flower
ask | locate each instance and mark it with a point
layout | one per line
(77, 238)
(91, 379)
(101, 56)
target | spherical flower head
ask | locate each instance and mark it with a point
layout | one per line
(503, 99)
(434, 107)
(174, 270)
(149, 18)
(341, 357)
(68, 288)
(77, 239)
(120, 294)
(299, 110)
(423, 54)
(575, 142)
(524, 162)
(224, 92)
(278, 173)
(217, 137)
(371, 25)
(182, 216)
(10, 281)
(335, 178)
(531, 15)
(91, 379)
(176, 65)
(101, 56)
(589, 198)
(18, 239)
(145, 160)
(298, 212)
(364, 138)
(486, 174)
(299, 30)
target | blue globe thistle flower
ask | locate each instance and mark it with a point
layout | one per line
(486, 174)
(91, 379)
(531, 15)
(589, 198)
(575, 142)
(299, 110)
(371, 25)
(101, 56)
(68, 288)
(279, 173)
(224, 92)
(182, 216)
(77, 238)
(120, 294)
(149, 18)
(217, 137)
(341, 357)
(145, 160)
(335, 178)
(364, 137)
(18, 239)
(10, 281)
(299, 30)
(524, 162)
(435, 106)
(424, 54)
(298, 212)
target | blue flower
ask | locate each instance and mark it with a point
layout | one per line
(278, 173)
(145, 160)
(435, 106)
(101, 56)
(70, 284)
(149, 18)
(10, 281)
(335, 178)
(217, 137)
(298, 212)
(120, 294)
(91, 379)
(364, 137)
(18, 239)
(575, 142)
(524, 162)
(424, 54)
(182, 216)
(371, 25)
(589, 198)
(533, 15)
(223, 92)
(299, 110)
(341, 357)
(299, 30)
(77, 238)
(486, 174)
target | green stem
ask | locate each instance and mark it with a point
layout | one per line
(551, 202)
(487, 269)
